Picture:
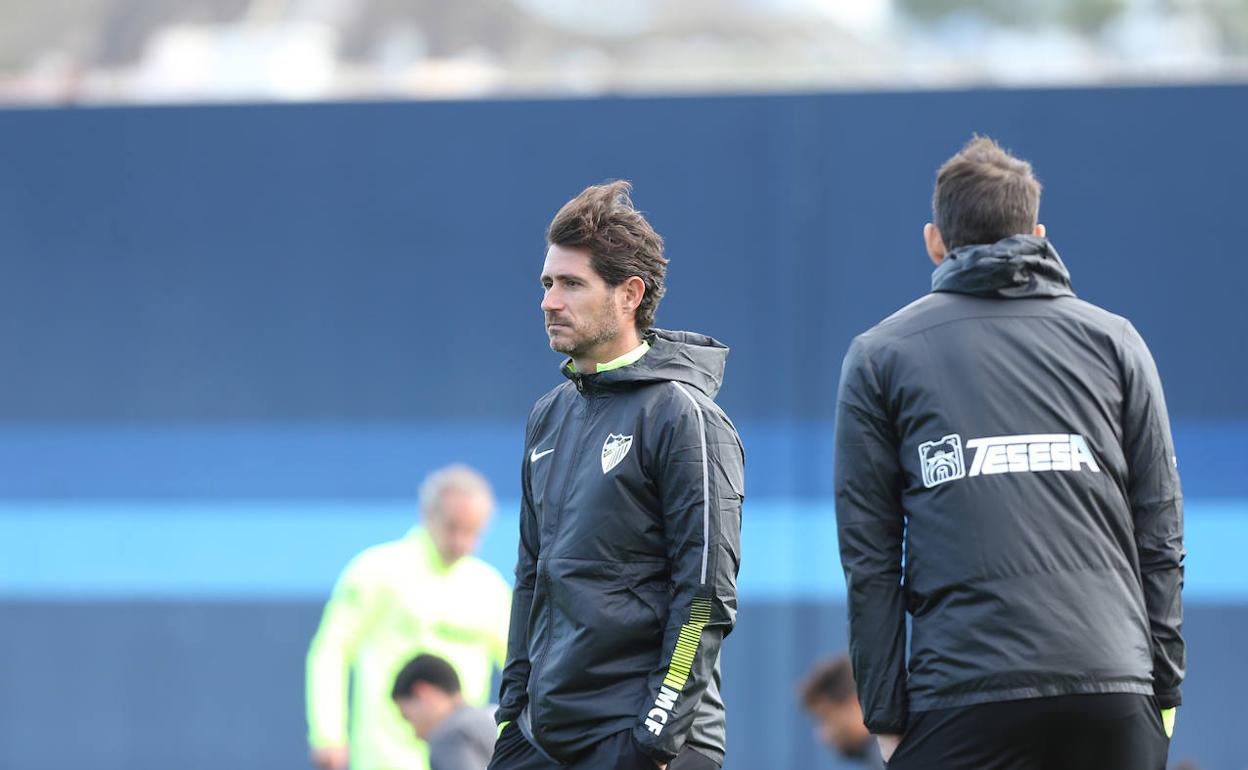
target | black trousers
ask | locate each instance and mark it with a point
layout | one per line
(513, 751)
(1070, 732)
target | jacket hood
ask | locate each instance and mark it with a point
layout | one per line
(687, 357)
(1019, 266)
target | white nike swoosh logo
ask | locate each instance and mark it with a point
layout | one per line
(535, 455)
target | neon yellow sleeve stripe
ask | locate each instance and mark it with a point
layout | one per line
(687, 644)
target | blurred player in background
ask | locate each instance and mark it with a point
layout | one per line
(459, 736)
(830, 698)
(1013, 442)
(424, 593)
(630, 521)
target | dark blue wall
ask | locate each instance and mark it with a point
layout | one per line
(155, 686)
(379, 262)
(293, 305)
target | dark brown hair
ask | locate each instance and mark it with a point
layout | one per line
(832, 680)
(984, 194)
(620, 241)
(425, 668)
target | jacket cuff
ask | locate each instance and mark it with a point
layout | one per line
(895, 726)
(655, 753)
(1168, 698)
(507, 714)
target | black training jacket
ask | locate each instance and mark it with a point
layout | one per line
(629, 548)
(1009, 445)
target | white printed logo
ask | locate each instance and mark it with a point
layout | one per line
(535, 455)
(941, 460)
(662, 711)
(614, 449)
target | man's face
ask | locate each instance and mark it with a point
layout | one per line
(582, 311)
(421, 711)
(457, 523)
(839, 726)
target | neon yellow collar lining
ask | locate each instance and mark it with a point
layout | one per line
(424, 541)
(631, 357)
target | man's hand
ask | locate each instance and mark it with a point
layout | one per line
(330, 757)
(888, 744)
(662, 765)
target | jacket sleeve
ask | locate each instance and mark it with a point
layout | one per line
(699, 474)
(1157, 511)
(870, 526)
(346, 620)
(513, 691)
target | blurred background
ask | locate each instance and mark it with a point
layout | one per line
(237, 333)
(143, 51)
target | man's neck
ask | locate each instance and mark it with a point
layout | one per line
(453, 705)
(608, 351)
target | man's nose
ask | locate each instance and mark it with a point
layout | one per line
(551, 301)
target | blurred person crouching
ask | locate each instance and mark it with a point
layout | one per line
(428, 695)
(830, 698)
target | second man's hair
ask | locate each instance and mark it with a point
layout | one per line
(426, 668)
(621, 243)
(832, 680)
(457, 477)
(984, 194)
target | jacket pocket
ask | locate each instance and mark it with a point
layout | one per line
(607, 626)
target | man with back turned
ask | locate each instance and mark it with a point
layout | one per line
(1012, 442)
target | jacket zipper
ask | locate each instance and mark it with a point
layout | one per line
(563, 497)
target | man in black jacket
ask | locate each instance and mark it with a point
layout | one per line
(632, 485)
(1005, 474)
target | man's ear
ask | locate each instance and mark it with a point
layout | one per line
(934, 242)
(634, 292)
(1041, 231)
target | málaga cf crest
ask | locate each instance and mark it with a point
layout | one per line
(614, 449)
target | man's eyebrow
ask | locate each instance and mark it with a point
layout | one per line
(561, 277)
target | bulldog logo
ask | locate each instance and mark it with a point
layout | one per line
(941, 460)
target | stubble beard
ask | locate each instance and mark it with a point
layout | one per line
(601, 329)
